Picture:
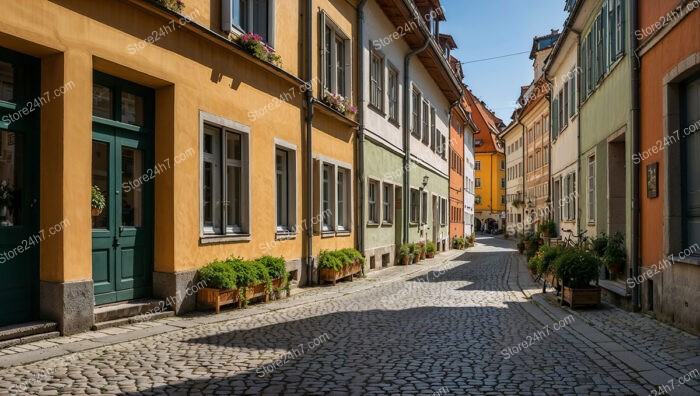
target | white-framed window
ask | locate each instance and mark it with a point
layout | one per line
(225, 176)
(373, 202)
(415, 206)
(336, 54)
(424, 207)
(344, 199)
(415, 113)
(333, 192)
(393, 92)
(376, 80)
(387, 203)
(285, 186)
(249, 16)
(443, 211)
(503, 182)
(477, 165)
(328, 196)
(591, 189)
(425, 123)
(435, 140)
(503, 199)
(478, 182)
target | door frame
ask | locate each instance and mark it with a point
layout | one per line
(116, 133)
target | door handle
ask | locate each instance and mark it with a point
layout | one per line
(116, 241)
(33, 203)
(121, 230)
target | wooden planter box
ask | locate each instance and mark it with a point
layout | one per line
(216, 298)
(330, 275)
(580, 297)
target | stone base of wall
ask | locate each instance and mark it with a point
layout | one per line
(379, 256)
(173, 287)
(675, 296)
(70, 304)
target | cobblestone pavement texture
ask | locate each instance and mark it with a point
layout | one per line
(441, 330)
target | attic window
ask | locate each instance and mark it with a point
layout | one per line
(478, 143)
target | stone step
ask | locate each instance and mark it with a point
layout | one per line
(127, 309)
(26, 329)
(131, 320)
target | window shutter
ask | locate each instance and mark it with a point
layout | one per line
(555, 119)
(317, 198)
(226, 15)
(324, 55)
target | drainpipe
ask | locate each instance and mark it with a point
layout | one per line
(579, 181)
(361, 134)
(548, 96)
(635, 137)
(407, 99)
(309, 146)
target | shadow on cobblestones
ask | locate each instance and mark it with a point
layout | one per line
(404, 351)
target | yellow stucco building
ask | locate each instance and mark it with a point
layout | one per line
(199, 148)
(489, 167)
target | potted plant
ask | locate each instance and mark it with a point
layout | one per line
(615, 255)
(534, 262)
(430, 249)
(279, 277)
(545, 265)
(459, 243)
(334, 265)
(548, 229)
(6, 198)
(220, 290)
(339, 103)
(253, 44)
(173, 5)
(575, 269)
(420, 248)
(415, 253)
(533, 246)
(599, 244)
(405, 254)
(98, 201)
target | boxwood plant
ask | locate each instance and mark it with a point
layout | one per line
(236, 273)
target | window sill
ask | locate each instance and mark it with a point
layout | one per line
(377, 110)
(214, 239)
(387, 224)
(372, 224)
(285, 235)
(693, 260)
(394, 122)
(413, 224)
(327, 234)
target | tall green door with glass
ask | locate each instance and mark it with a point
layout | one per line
(122, 178)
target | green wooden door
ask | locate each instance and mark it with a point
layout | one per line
(20, 236)
(122, 167)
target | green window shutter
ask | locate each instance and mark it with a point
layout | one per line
(555, 119)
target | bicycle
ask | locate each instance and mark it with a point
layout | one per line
(569, 241)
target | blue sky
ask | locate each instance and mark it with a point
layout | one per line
(490, 28)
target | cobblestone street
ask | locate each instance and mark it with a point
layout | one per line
(450, 326)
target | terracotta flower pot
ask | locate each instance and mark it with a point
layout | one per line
(96, 212)
(406, 260)
(416, 258)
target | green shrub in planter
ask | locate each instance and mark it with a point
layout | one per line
(430, 248)
(330, 260)
(276, 267)
(405, 250)
(353, 255)
(577, 268)
(547, 256)
(218, 275)
(615, 255)
(599, 244)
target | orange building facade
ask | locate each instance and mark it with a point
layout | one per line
(667, 161)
